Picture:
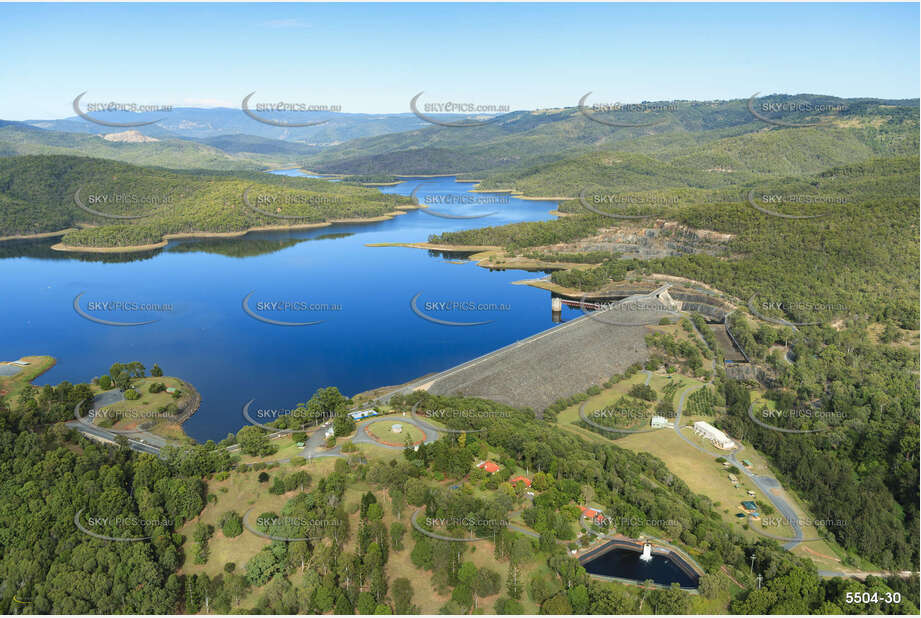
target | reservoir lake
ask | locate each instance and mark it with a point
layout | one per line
(367, 334)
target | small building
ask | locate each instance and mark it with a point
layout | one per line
(659, 421)
(396, 428)
(746, 463)
(522, 479)
(714, 435)
(490, 467)
(360, 414)
(733, 478)
(749, 506)
(170, 389)
(329, 433)
(594, 514)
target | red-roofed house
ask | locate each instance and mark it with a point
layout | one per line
(490, 466)
(593, 514)
(523, 479)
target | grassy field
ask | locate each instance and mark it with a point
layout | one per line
(128, 415)
(11, 386)
(382, 430)
(239, 492)
(700, 471)
(379, 453)
(570, 416)
(287, 448)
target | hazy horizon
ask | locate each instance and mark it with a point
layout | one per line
(372, 58)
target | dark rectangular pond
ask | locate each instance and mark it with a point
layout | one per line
(627, 564)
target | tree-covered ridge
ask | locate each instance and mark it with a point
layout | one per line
(861, 464)
(506, 148)
(737, 161)
(858, 263)
(861, 255)
(332, 564)
(41, 194)
(17, 139)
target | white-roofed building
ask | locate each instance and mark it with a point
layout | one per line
(714, 435)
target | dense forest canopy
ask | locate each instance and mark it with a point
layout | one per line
(50, 476)
(42, 193)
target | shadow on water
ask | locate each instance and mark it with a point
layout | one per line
(41, 249)
(241, 247)
(245, 247)
(627, 564)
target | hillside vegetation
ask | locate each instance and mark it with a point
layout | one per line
(352, 547)
(21, 139)
(719, 133)
(38, 195)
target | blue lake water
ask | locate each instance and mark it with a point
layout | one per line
(373, 339)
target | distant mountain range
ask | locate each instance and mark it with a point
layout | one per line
(199, 124)
(545, 152)
(18, 138)
(707, 135)
(185, 138)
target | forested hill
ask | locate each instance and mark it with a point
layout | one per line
(713, 133)
(360, 559)
(43, 194)
(860, 255)
(205, 123)
(17, 138)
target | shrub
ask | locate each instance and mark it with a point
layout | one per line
(231, 524)
(278, 486)
(643, 391)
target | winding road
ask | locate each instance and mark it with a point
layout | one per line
(767, 484)
(138, 440)
(316, 443)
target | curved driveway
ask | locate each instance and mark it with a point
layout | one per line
(315, 446)
(765, 483)
(151, 443)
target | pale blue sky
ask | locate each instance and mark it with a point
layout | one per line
(375, 57)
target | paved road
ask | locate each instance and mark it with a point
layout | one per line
(316, 443)
(142, 441)
(133, 444)
(765, 483)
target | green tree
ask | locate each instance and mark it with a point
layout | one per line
(403, 596)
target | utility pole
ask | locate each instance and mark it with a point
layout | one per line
(759, 582)
(751, 569)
